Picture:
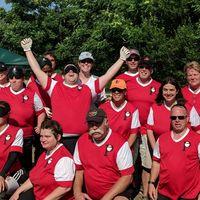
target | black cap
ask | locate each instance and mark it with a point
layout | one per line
(16, 72)
(44, 61)
(4, 108)
(95, 115)
(72, 67)
(3, 67)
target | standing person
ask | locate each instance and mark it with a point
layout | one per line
(70, 100)
(3, 75)
(191, 93)
(26, 107)
(104, 160)
(50, 56)
(86, 63)
(132, 62)
(159, 116)
(176, 160)
(52, 177)
(123, 117)
(11, 142)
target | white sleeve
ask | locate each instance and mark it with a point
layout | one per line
(194, 117)
(38, 105)
(64, 169)
(76, 156)
(124, 157)
(53, 83)
(150, 120)
(199, 151)
(18, 139)
(156, 150)
(135, 119)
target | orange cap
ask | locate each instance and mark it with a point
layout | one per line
(118, 83)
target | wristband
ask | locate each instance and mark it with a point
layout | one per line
(151, 182)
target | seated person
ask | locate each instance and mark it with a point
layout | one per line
(52, 177)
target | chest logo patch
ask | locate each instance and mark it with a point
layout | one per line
(109, 148)
(25, 98)
(49, 160)
(8, 137)
(187, 144)
(152, 90)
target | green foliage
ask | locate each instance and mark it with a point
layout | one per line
(167, 31)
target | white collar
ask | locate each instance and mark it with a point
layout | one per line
(105, 139)
(182, 137)
(144, 84)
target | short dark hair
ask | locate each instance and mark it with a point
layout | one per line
(53, 125)
(50, 53)
(179, 97)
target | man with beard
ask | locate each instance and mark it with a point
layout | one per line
(104, 160)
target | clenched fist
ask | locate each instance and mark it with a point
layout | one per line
(124, 53)
(26, 44)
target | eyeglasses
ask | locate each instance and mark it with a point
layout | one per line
(145, 67)
(116, 90)
(133, 57)
(87, 61)
(180, 117)
(91, 124)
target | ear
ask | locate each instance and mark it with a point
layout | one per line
(58, 137)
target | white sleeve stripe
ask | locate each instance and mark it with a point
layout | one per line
(156, 150)
(53, 83)
(18, 139)
(135, 120)
(124, 157)
(199, 151)
(150, 120)
(64, 169)
(76, 155)
(38, 105)
(194, 117)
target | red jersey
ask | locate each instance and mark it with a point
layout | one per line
(52, 171)
(70, 105)
(25, 105)
(34, 85)
(57, 77)
(123, 120)
(11, 140)
(159, 119)
(142, 96)
(127, 76)
(103, 163)
(179, 165)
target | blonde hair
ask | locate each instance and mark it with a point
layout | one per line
(192, 65)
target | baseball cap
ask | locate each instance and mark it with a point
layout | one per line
(4, 108)
(134, 51)
(3, 67)
(44, 61)
(86, 55)
(16, 72)
(95, 115)
(72, 67)
(118, 83)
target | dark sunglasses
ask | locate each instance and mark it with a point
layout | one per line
(180, 117)
(87, 61)
(133, 57)
(114, 90)
(145, 67)
(17, 76)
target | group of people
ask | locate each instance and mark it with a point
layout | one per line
(92, 147)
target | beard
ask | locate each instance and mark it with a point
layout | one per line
(91, 132)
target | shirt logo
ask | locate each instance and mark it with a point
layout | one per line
(109, 148)
(152, 90)
(25, 98)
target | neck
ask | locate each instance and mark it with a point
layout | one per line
(119, 104)
(133, 71)
(170, 103)
(84, 76)
(49, 151)
(178, 135)
(144, 81)
(194, 89)
(2, 82)
(2, 127)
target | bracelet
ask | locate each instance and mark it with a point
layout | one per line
(151, 182)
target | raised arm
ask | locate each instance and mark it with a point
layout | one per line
(104, 79)
(41, 76)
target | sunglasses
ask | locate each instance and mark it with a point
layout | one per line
(180, 117)
(116, 90)
(87, 61)
(17, 76)
(91, 124)
(145, 67)
(133, 57)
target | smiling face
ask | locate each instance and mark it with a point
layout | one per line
(169, 93)
(85, 65)
(179, 125)
(193, 78)
(145, 73)
(118, 95)
(48, 140)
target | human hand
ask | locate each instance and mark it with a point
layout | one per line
(82, 196)
(2, 184)
(152, 192)
(124, 53)
(26, 44)
(15, 196)
(48, 112)
(37, 130)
